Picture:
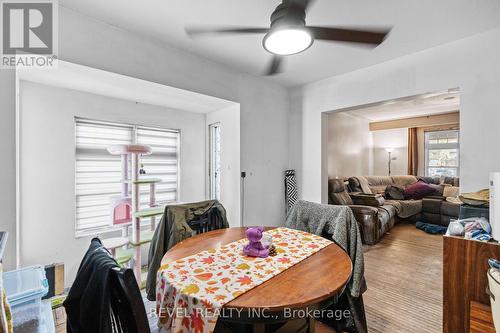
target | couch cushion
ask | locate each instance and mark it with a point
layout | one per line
(374, 200)
(336, 185)
(404, 180)
(340, 198)
(430, 180)
(379, 180)
(450, 209)
(337, 194)
(453, 181)
(379, 189)
(431, 206)
(354, 184)
(383, 218)
(406, 208)
(390, 209)
(430, 218)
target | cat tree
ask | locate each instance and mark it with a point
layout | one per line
(126, 209)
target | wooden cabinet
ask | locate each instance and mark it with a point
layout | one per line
(465, 263)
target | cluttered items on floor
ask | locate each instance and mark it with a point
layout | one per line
(24, 289)
(477, 228)
(430, 228)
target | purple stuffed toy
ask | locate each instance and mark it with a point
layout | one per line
(255, 248)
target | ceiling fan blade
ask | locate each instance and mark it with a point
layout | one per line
(275, 66)
(374, 37)
(195, 31)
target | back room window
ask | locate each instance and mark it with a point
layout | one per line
(98, 173)
(442, 153)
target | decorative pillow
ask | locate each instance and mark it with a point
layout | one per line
(394, 192)
(418, 190)
(451, 191)
(438, 188)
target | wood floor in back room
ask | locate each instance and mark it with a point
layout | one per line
(404, 273)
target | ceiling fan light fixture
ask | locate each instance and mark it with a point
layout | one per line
(287, 41)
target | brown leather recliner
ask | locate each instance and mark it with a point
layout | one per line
(373, 222)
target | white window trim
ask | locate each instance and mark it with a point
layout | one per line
(441, 146)
(211, 160)
(110, 228)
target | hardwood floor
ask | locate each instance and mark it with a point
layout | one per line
(404, 277)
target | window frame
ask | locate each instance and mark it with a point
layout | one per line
(81, 233)
(213, 128)
(427, 148)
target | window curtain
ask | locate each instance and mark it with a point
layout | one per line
(412, 151)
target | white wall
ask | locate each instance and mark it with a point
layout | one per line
(264, 108)
(48, 169)
(349, 146)
(263, 104)
(397, 139)
(470, 64)
(229, 121)
(8, 163)
(355, 150)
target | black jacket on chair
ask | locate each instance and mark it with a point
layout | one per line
(88, 305)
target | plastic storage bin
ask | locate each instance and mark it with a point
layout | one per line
(472, 211)
(25, 288)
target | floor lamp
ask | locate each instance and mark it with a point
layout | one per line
(389, 151)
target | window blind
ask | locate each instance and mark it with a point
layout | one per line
(98, 173)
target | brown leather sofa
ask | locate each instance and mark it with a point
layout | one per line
(437, 210)
(376, 216)
(374, 221)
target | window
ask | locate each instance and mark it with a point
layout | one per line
(98, 173)
(214, 167)
(442, 153)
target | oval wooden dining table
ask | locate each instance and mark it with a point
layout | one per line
(308, 285)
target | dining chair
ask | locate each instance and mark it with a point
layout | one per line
(206, 222)
(128, 312)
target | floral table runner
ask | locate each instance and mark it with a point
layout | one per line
(191, 291)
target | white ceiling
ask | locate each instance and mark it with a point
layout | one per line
(96, 81)
(415, 106)
(417, 25)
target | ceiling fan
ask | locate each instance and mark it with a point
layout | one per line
(289, 33)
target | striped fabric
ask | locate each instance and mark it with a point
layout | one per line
(290, 189)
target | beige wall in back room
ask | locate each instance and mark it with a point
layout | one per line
(396, 139)
(355, 150)
(349, 146)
